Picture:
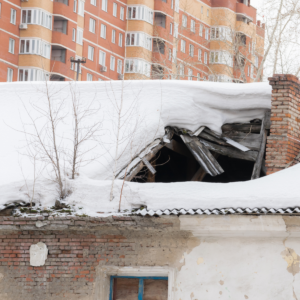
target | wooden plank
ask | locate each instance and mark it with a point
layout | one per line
(148, 165)
(199, 175)
(132, 173)
(267, 120)
(204, 134)
(229, 151)
(179, 148)
(125, 289)
(202, 155)
(236, 144)
(155, 289)
(249, 140)
(261, 152)
(247, 127)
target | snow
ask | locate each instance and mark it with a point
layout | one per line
(141, 110)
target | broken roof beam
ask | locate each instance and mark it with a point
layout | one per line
(249, 140)
(202, 155)
(247, 127)
(229, 151)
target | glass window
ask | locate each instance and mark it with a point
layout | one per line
(115, 8)
(89, 77)
(74, 35)
(10, 74)
(102, 56)
(75, 6)
(119, 67)
(90, 53)
(113, 36)
(184, 20)
(122, 13)
(104, 5)
(94, 2)
(112, 63)
(120, 39)
(13, 14)
(103, 31)
(11, 46)
(81, 8)
(92, 25)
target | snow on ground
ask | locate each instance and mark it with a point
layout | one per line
(140, 110)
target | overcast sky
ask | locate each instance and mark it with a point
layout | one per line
(256, 3)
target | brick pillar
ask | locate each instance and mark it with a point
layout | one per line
(283, 144)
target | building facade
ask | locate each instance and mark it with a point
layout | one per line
(214, 40)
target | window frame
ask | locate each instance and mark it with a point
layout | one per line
(10, 75)
(113, 36)
(122, 13)
(115, 9)
(103, 31)
(13, 16)
(92, 25)
(94, 2)
(104, 5)
(120, 42)
(91, 51)
(141, 283)
(11, 47)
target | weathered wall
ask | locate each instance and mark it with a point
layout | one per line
(213, 257)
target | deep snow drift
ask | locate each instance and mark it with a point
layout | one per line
(130, 115)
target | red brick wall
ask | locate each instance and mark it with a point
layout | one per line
(77, 246)
(283, 144)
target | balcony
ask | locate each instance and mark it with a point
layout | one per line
(247, 12)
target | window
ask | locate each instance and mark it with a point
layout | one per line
(81, 8)
(0, 8)
(221, 33)
(252, 72)
(170, 54)
(137, 66)
(201, 9)
(140, 13)
(119, 66)
(139, 39)
(184, 20)
(249, 47)
(32, 75)
(193, 25)
(115, 8)
(104, 5)
(221, 57)
(190, 74)
(171, 28)
(160, 19)
(172, 4)
(37, 16)
(120, 39)
(198, 77)
(112, 63)
(139, 288)
(256, 61)
(73, 34)
(182, 48)
(79, 39)
(208, 13)
(75, 6)
(201, 30)
(66, 2)
(158, 46)
(205, 58)
(89, 77)
(175, 30)
(122, 13)
(11, 46)
(103, 31)
(92, 25)
(10, 74)
(60, 26)
(206, 33)
(177, 6)
(13, 14)
(102, 57)
(58, 55)
(253, 48)
(35, 46)
(181, 69)
(191, 50)
(94, 2)
(113, 36)
(199, 54)
(248, 73)
(90, 53)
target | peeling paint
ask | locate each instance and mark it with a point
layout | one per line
(200, 260)
(292, 259)
(220, 293)
(221, 282)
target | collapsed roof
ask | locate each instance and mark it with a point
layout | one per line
(202, 121)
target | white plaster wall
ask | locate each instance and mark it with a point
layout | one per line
(238, 264)
(238, 268)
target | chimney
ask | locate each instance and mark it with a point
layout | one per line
(258, 23)
(283, 144)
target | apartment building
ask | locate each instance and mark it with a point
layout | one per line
(216, 40)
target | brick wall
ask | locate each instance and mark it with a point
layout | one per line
(283, 144)
(76, 252)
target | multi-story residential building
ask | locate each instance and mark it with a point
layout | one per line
(217, 40)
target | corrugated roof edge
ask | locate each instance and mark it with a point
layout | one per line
(223, 211)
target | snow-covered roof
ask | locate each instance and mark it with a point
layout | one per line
(131, 115)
